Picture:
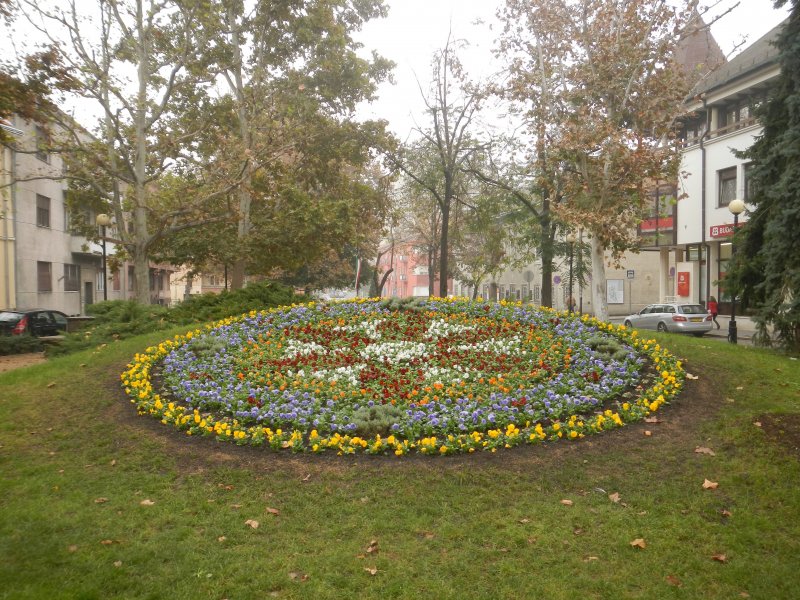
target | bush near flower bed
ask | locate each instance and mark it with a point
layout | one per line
(435, 377)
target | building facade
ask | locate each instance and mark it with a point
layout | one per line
(719, 124)
(44, 262)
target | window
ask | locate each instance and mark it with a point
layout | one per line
(116, 280)
(212, 280)
(727, 186)
(44, 276)
(42, 141)
(525, 292)
(131, 278)
(537, 293)
(72, 278)
(156, 280)
(67, 225)
(101, 282)
(42, 211)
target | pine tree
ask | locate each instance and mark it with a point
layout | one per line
(766, 269)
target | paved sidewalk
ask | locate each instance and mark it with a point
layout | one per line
(745, 328)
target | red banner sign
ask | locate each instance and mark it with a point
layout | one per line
(721, 231)
(683, 283)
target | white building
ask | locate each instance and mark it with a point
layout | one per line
(720, 122)
(43, 262)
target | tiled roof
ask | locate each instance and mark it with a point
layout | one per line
(760, 54)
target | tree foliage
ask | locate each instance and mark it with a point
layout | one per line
(599, 88)
(437, 159)
(765, 270)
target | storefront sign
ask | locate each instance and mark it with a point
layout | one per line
(721, 231)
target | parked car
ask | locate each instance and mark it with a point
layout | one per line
(36, 322)
(675, 317)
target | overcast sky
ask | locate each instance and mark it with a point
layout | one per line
(416, 28)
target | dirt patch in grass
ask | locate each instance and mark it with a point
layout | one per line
(678, 423)
(17, 361)
(783, 430)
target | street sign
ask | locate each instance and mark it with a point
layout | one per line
(630, 273)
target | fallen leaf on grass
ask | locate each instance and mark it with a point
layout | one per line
(428, 535)
(652, 420)
(236, 506)
(566, 502)
(710, 485)
(577, 531)
(719, 558)
(113, 462)
(739, 387)
(703, 450)
(639, 543)
(221, 538)
(106, 542)
(100, 500)
(690, 376)
(118, 563)
(590, 558)
(371, 570)
(757, 423)
(364, 500)
(252, 523)
(295, 576)
(72, 548)
(147, 502)
(306, 479)
(523, 521)
(672, 580)
(51, 384)
(614, 497)
(373, 547)
(273, 511)
(648, 433)
(726, 513)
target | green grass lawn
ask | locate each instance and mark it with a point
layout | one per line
(97, 503)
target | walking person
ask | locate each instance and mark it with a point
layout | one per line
(713, 308)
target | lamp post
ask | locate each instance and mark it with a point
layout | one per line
(736, 207)
(103, 220)
(570, 299)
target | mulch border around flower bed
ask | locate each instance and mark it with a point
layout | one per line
(142, 385)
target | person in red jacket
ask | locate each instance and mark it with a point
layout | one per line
(713, 309)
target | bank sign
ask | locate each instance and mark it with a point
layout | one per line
(721, 231)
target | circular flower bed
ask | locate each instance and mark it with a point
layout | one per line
(433, 376)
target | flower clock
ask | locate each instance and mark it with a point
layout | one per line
(438, 376)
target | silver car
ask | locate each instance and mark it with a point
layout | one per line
(675, 317)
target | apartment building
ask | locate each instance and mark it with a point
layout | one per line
(44, 263)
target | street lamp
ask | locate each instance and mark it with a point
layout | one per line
(103, 221)
(736, 207)
(570, 300)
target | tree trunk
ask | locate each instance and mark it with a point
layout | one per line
(547, 254)
(245, 199)
(599, 279)
(443, 250)
(141, 235)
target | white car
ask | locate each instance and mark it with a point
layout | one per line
(674, 317)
